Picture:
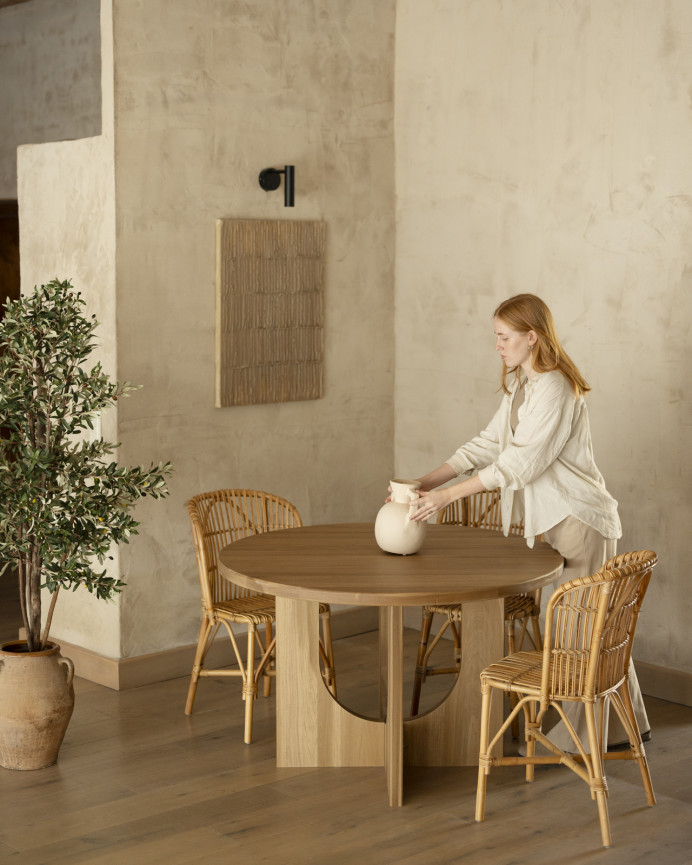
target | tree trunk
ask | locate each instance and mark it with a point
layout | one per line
(34, 602)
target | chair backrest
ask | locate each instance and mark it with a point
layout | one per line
(589, 628)
(220, 517)
(480, 510)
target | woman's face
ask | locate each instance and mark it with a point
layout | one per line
(513, 346)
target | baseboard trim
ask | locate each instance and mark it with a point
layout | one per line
(675, 686)
(121, 674)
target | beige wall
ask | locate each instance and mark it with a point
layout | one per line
(49, 69)
(547, 147)
(539, 146)
(207, 95)
(202, 104)
(66, 196)
(66, 193)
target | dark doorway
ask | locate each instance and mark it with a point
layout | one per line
(9, 251)
(10, 614)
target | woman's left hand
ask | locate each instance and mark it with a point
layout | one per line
(429, 503)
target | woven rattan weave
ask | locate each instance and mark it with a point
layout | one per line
(218, 519)
(589, 628)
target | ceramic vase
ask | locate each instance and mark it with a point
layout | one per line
(395, 532)
(36, 703)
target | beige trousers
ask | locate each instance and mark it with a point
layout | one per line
(585, 551)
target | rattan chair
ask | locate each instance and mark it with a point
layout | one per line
(589, 628)
(217, 519)
(481, 510)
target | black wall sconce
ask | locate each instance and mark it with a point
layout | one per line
(270, 179)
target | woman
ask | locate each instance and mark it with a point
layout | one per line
(537, 450)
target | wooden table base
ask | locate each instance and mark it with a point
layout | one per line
(313, 729)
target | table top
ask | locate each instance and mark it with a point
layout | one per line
(342, 564)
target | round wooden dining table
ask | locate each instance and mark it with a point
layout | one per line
(342, 564)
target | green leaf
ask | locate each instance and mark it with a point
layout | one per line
(62, 504)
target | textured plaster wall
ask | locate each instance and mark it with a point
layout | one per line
(66, 193)
(49, 68)
(547, 147)
(539, 146)
(206, 95)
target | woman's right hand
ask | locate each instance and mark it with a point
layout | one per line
(430, 503)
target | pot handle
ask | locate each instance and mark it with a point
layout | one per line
(69, 674)
(413, 495)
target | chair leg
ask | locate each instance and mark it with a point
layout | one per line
(522, 634)
(249, 684)
(268, 636)
(456, 636)
(206, 637)
(537, 638)
(597, 781)
(327, 651)
(484, 760)
(530, 724)
(621, 701)
(513, 698)
(419, 678)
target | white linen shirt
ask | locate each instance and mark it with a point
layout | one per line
(549, 456)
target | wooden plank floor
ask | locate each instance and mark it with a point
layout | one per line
(139, 781)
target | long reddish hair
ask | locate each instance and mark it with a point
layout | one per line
(525, 312)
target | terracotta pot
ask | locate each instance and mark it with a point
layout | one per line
(36, 703)
(394, 531)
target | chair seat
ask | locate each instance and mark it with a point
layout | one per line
(520, 673)
(259, 609)
(516, 607)
(452, 611)
(521, 607)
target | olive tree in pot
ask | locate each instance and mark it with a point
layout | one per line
(63, 503)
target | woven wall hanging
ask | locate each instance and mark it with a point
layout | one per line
(269, 311)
